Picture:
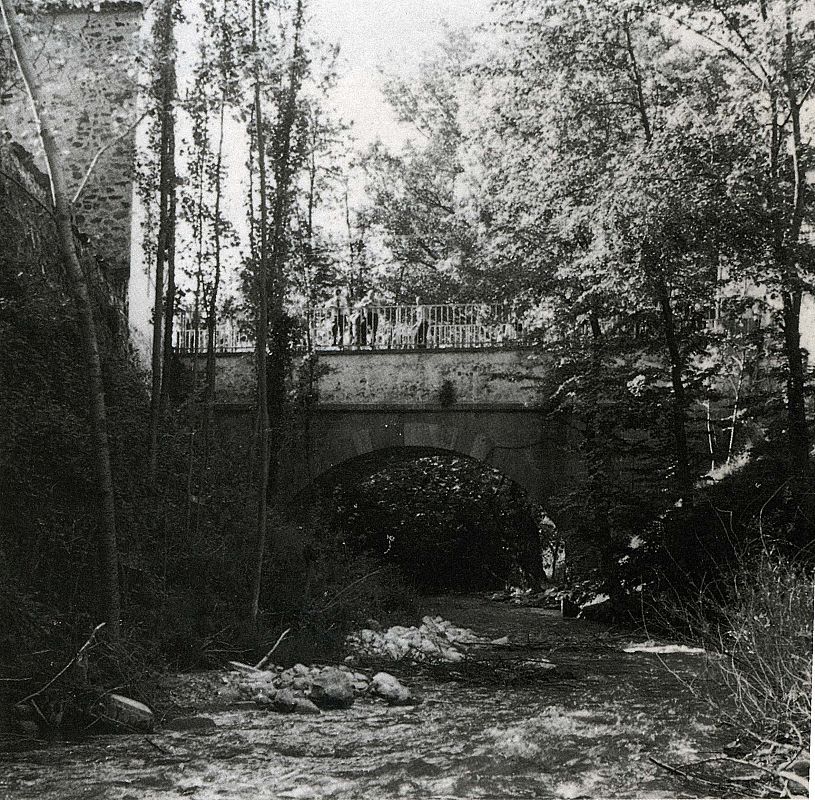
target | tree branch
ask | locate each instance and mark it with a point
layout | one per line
(721, 45)
(101, 151)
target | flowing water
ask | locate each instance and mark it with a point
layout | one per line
(503, 729)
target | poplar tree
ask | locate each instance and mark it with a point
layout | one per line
(164, 95)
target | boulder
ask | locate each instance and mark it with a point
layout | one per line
(302, 705)
(452, 655)
(284, 701)
(124, 713)
(384, 685)
(333, 688)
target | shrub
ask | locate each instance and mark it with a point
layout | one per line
(764, 643)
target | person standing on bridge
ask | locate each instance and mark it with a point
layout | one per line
(422, 324)
(367, 319)
(337, 308)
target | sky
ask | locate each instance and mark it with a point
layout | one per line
(384, 34)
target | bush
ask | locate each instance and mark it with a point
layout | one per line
(764, 642)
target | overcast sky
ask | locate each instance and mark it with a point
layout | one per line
(389, 34)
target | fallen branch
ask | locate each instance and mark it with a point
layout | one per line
(158, 746)
(690, 776)
(265, 660)
(785, 775)
(79, 654)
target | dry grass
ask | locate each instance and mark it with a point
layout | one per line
(765, 647)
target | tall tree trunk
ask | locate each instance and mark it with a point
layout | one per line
(684, 475)
(798, 431)
(108, 552)
(156, 360)
(596, 452)
(165, 253)
(212, 310)
(280, 216)
(792, 284)
(261, 337)
(169, 300)
(270, 281)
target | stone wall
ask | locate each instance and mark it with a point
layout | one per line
(86, 60)
(29, 243)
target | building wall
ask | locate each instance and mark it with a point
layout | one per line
(86, 60)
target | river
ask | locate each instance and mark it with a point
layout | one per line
(586, 729)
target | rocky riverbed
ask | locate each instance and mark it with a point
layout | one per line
(540, 706)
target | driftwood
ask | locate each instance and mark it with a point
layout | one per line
(265, 660)
(783, 775)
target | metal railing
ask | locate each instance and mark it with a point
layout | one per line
(414, 327)
(230, 337)
(374, 327)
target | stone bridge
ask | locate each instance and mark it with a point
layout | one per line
(372, 406)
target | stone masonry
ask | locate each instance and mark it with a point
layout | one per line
(86, 57)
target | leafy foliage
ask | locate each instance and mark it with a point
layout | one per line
(447, 523)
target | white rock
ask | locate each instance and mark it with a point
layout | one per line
(386, 686)
(131, 715)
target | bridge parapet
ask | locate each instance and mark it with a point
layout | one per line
(506, 378)
(390, 380)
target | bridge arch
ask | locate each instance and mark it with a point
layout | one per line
(523, 445)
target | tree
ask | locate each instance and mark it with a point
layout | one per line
(416, 194)
(108, 550)
(273, 146)
(769, 50)
(164, 91)
(600, 188)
